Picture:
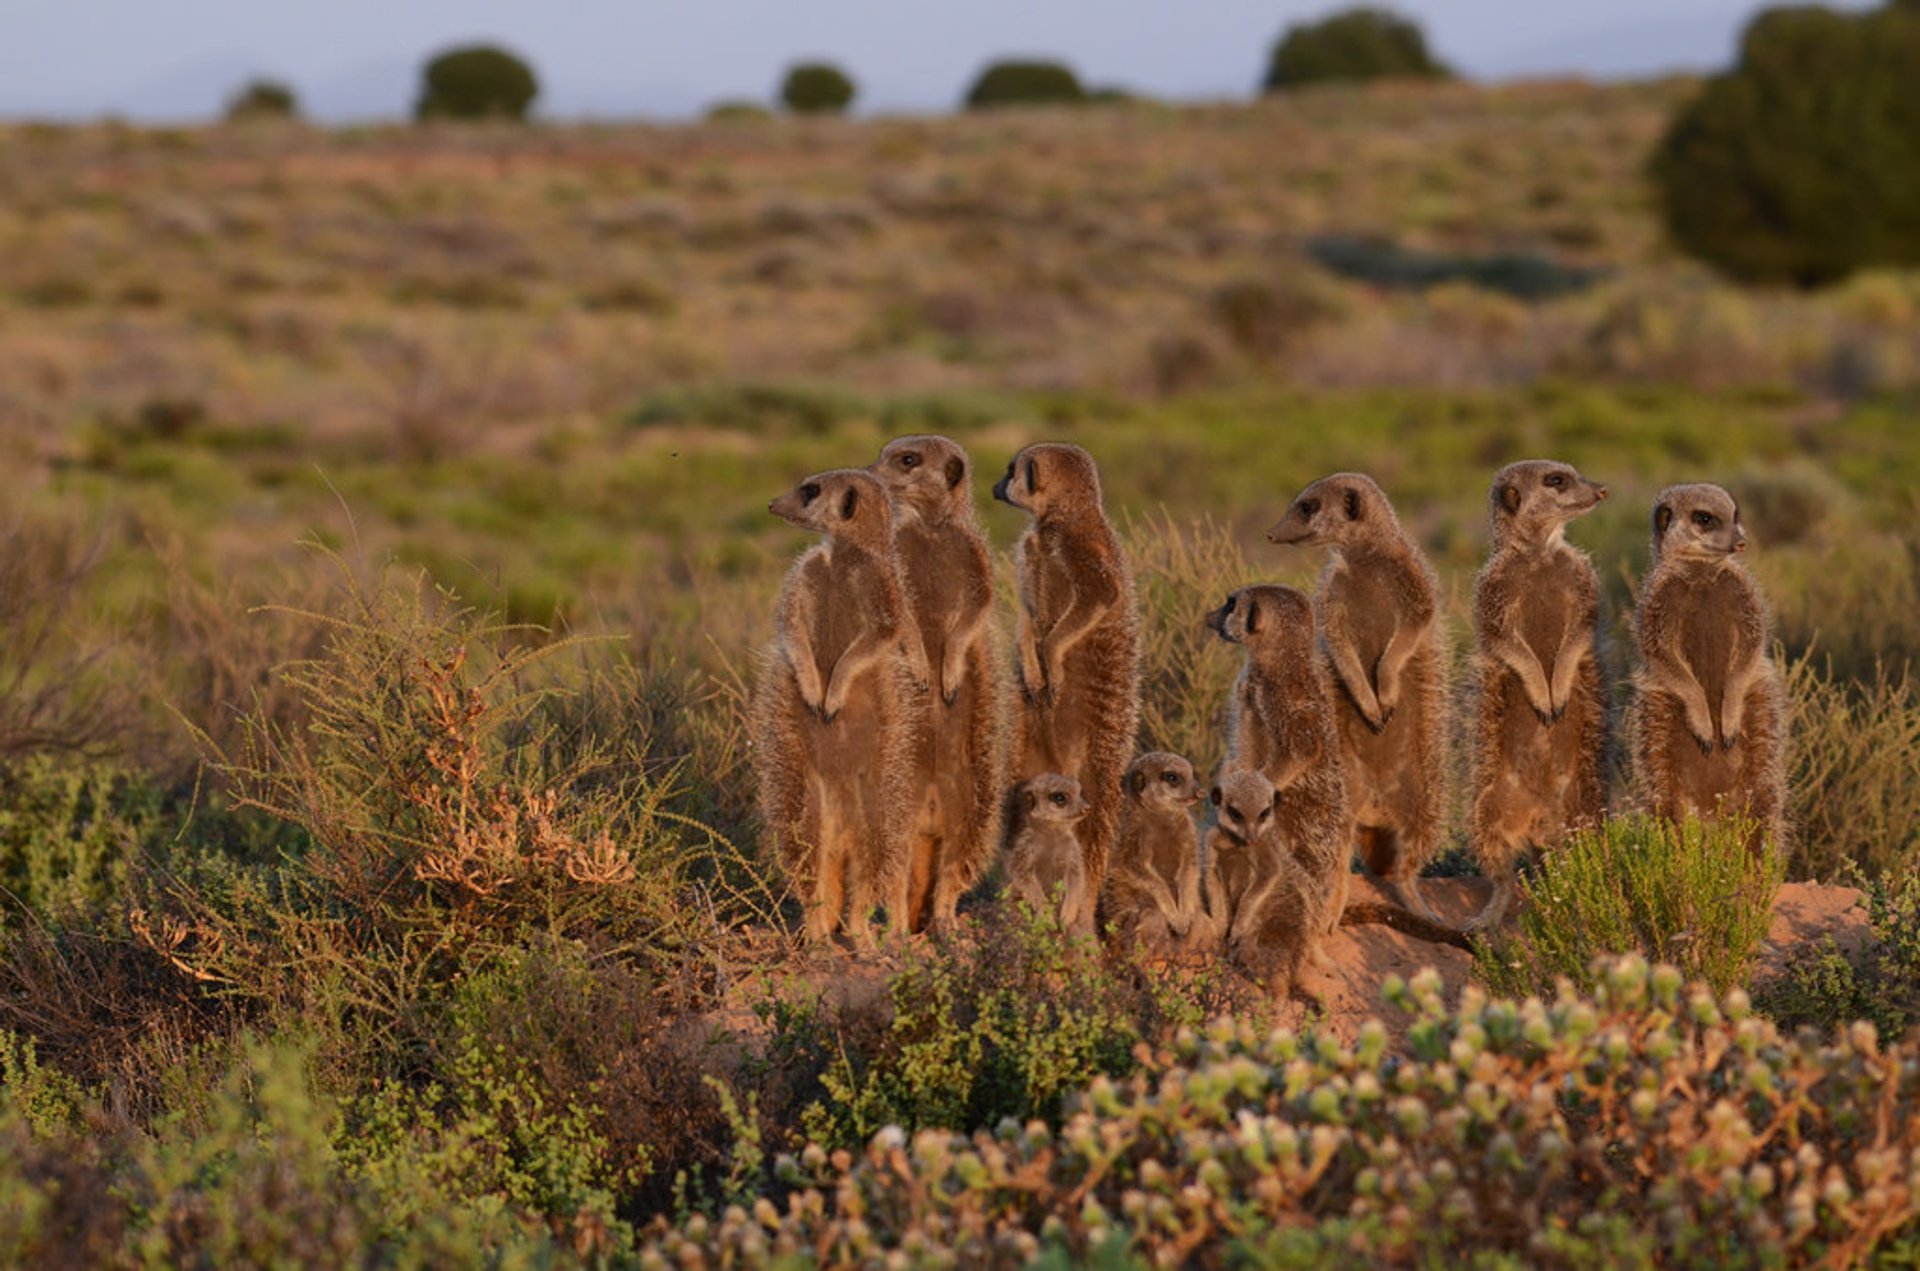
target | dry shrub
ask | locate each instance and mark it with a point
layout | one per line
(1853, 771)
(1182, 571)
(58, 692)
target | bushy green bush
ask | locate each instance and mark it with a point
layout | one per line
(1825, 986)
(263, 99)
(477, 82)
(1802, 163)
(1651, 1124)
(69, 832)
(1689, 894)
(1354, 44)
(817, 88)
(737, 110)
(1025, 84)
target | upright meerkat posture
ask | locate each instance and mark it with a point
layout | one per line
(1261, 904)
(1281, 724)
(1711, 719)
(1079, 637)
(1045, 867)
(949, 576)
(836, 708)
(1378, 606)
(1152, 894)
(1542, 729)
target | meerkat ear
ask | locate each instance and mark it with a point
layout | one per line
(848, 504)
(1033, 799)
(956, 471)
(1253, 615)
(1353, 505)
(1510, 497)
(1662, 518)
(1033, 475)
(1213, 796)
(1276, 803)
(1134, 782)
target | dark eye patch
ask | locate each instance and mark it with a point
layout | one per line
(1171, 777)
(1556, 479)
(1704, 520)
(810, 491)
(909, 460)
(1309, 508)
(1059, 799)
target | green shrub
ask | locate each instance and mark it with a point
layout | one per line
(1802, 163)
(817, 88)
(69, 832)
(1690, 894)
(263, 99)
(1880, 982)
(1629, 1129)
(1025, 84)
(477, 82)
(737, 110)
(1354, 44)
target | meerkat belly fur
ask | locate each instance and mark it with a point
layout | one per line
(1078, 640)
(1710, 720)
(949, 575)
(1152, 895)
(1045, 867)
(1378, 604)
(1541, 730)
(1262, 906)
(839, 699)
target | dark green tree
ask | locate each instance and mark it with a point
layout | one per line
(477, 82)
(1354, 44)
(263, 99)
(1025, 84)
(1802, 163)
(817, 88)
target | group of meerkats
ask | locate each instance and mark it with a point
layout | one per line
(879, 706)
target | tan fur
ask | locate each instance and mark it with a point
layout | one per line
(1281, 724)
(837, 704)
(1263, 908)
(949, 575)
(1079, 638)
(1710, 725)
(1541, 736)
(1152, 895)
(1045, 867)
(1378, 604)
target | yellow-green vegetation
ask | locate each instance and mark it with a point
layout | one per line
(392, 899)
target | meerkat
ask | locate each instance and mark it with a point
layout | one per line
(1079, 638)
(1378, 608)
(837, 706)
(1541, 737)
(1262, 906)
(949, 575)
(1152, 893)
(1045, 866)
(1711, 720)
(1281, 724)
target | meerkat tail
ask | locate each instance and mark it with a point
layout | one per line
(1361, 913)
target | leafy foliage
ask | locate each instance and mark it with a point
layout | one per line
(263, 99)
(1355, 44)
(817, 88)
(1025, 84)
(1802, 163)
(1880, 982)
(476, 82)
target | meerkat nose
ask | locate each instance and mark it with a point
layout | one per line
(1599, 491)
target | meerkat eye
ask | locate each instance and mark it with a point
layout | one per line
(1171, 778)
(1704, 520)
(1309, 508)
(809, 492)
(1231, 602)
(1556, 479)
(909, 460)
(1059, 799)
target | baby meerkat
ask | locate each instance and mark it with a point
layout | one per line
(1152, 894)
(1542, 730)
(1079, 637)
(837, 705)
(1378, 604)
(1281, 724)
(949, 575)
(1045, 867)
(1711, 719)
(1261, 906)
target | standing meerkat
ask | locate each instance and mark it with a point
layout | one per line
(836, 708)
(1541, 736)
(1281, 724)
(1079, 637)
(949, 575)
(1045, 867)
(1152, 893)
(1378, 606)
(1711, 719)
(1261, 905)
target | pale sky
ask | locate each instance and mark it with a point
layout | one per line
(357, 59)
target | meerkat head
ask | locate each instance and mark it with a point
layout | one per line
(1536, 498)
(1161, 779)
(1244, 802)
(1700, 521)
(1263, 614)
(844, 504)
(1050, 477)
(1051, 796)
(926, 475)
(1343, 508)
